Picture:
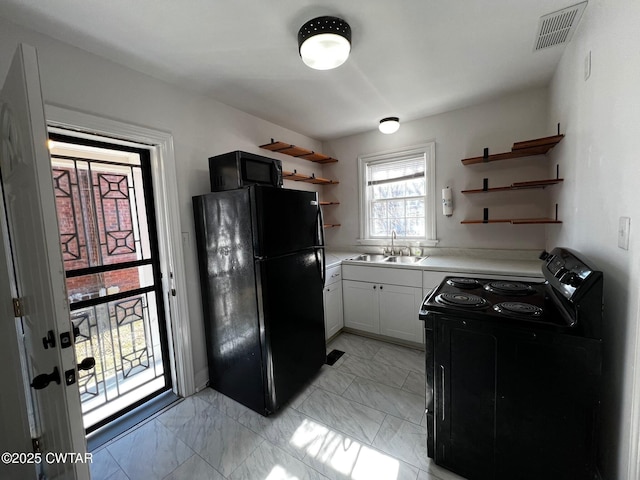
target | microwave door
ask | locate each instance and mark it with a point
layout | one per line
(261, 172)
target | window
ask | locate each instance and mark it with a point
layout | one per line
(397, 194)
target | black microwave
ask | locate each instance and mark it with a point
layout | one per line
(240, 169)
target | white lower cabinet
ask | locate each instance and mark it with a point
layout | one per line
(361, 310)
(432, 279)
(399, 308)
(333, 316)
(383, 308)
(332, 297)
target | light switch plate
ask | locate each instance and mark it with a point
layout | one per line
(624, 224)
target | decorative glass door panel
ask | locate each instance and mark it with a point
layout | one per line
(104, 204)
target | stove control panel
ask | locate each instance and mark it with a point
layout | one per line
(565, 271)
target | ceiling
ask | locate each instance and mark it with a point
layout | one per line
(409, 58)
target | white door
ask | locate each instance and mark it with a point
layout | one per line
(37, 263)
(16, 435)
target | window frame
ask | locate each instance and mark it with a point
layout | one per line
(427, 151)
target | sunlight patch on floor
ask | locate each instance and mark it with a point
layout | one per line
(342, 454)
(280, 473)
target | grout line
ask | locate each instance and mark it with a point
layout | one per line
(117, 463)
(374, 408)
(245, 459)
(378, 431)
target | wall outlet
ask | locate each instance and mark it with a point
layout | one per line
(624, 224)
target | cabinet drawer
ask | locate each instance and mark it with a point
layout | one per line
(333, 275)
(390, 275)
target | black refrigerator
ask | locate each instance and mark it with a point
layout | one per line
(261, 261)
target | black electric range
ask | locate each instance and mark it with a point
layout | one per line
(513, 372)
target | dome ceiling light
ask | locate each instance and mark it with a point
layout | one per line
(324, 42)
(389, 125)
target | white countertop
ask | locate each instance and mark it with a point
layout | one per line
(528, 268)
(452, 263)
(333, 258)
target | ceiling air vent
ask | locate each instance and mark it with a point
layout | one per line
(557, 28)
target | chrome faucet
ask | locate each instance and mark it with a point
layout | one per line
(394, 235)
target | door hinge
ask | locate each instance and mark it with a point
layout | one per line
(37, 444)
(18, 310)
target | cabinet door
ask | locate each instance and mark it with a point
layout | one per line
(548, 406)
(465, 398)
(333, 314)
(399, 308)
(361, 305)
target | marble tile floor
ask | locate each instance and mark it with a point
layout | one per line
(360, 419)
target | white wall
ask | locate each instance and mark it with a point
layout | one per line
(460, 134)
(599, 158)
(201, 127)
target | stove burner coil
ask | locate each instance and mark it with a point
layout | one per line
(518, 309)
(503, 287)
(464, 300)
(462, 282)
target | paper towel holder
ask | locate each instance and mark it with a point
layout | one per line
(447, 202)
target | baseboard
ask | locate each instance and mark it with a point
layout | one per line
(202, 379)
(384, 338)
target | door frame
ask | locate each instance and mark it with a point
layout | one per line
(164, 178)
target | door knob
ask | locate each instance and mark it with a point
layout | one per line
(43, 380)
(87, 364)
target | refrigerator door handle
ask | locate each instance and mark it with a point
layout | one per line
(321, 265)
(320, 220)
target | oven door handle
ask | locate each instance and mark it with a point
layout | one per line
(442, 377)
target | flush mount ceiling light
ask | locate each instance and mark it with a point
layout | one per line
(324, 42)
(389, 125)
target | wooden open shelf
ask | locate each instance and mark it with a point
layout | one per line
(298, 152)
(518, 186)
(514, 221)
(299, 177)
(527, 148)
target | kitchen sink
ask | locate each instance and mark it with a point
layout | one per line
(400, 259)
(370, 257)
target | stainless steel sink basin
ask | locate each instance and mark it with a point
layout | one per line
(370, 257)
(400, 259)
